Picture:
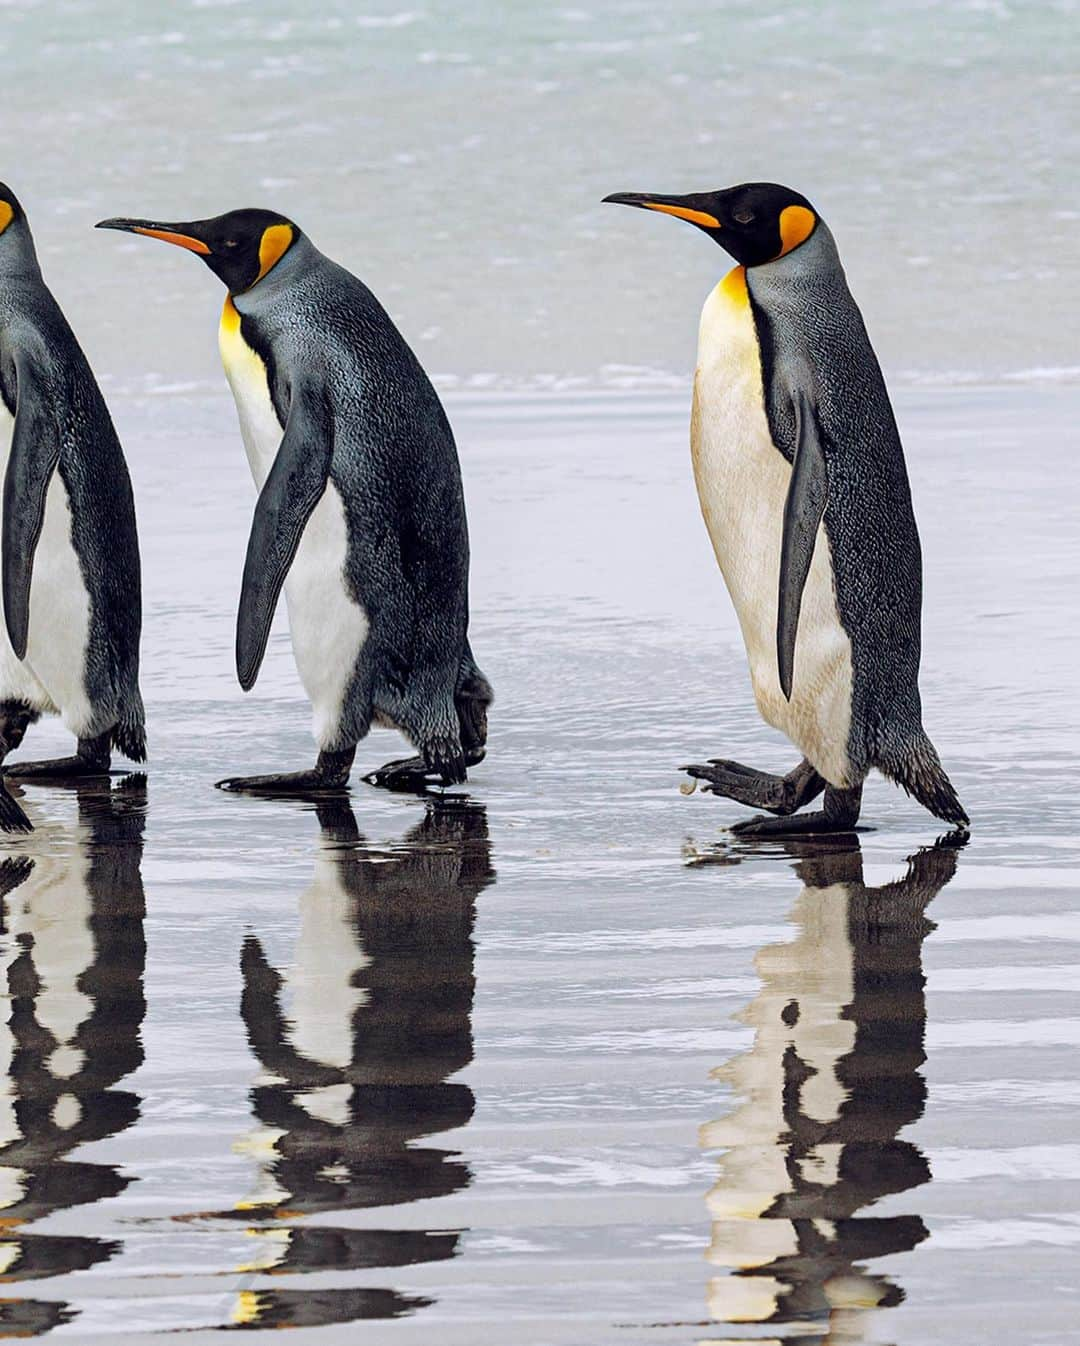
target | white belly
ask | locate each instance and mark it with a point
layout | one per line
(816, 973)
(47, 918)
(742, 482)
(328, 627)
(320, 1000)
(52, 676)
(321, 996)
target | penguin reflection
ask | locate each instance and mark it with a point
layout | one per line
(358, 1042)
(72, 954)
(831, 1079)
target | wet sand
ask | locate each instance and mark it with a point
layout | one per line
(554, 1060)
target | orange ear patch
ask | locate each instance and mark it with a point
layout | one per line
(6, 215)
(181, 240)
(273, 246)
(796, 226)
(685, 213)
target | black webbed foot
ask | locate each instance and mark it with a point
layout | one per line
(330, 774)
(283, 783)
(58, 769)
(92, 760)
(781, 795)
(443, 763)
(840, 814)
(410, 775)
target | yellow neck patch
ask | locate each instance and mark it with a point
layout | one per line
(6, 215)
(244, 367)
(733, 287)
(273, 246)
(796, 226)
(230, 317)
(684, 213)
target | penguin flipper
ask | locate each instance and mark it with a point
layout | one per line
(35, 452)
(803, 511)
(293, 488)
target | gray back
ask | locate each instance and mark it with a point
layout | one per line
(812, 335)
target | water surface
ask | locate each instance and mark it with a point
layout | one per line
(551, 1059)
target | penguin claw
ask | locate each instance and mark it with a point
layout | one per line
(733, 768)
(713, 776)
(442, 764)
(720, 770)
(802, 824)
(751, 827)
(745, 787)
(410, 775)
(445, 759)
(404, 776)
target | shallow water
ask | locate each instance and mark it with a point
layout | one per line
(554, 1060)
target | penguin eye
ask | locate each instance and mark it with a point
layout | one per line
(744, 216)
(231, 243)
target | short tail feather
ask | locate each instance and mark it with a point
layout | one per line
(918, 770)
(12, 817)
(472, 699)
(472, 683)
(129, 732)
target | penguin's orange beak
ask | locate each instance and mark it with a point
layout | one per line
(688, 208)
(168, 233)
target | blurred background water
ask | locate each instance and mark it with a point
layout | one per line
(454, 155)
(552, 1060)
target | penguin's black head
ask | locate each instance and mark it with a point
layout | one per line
(240, 247)
(756, 222)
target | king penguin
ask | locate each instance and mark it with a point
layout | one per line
(802, 483)
(70, 553)
(360, 513)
